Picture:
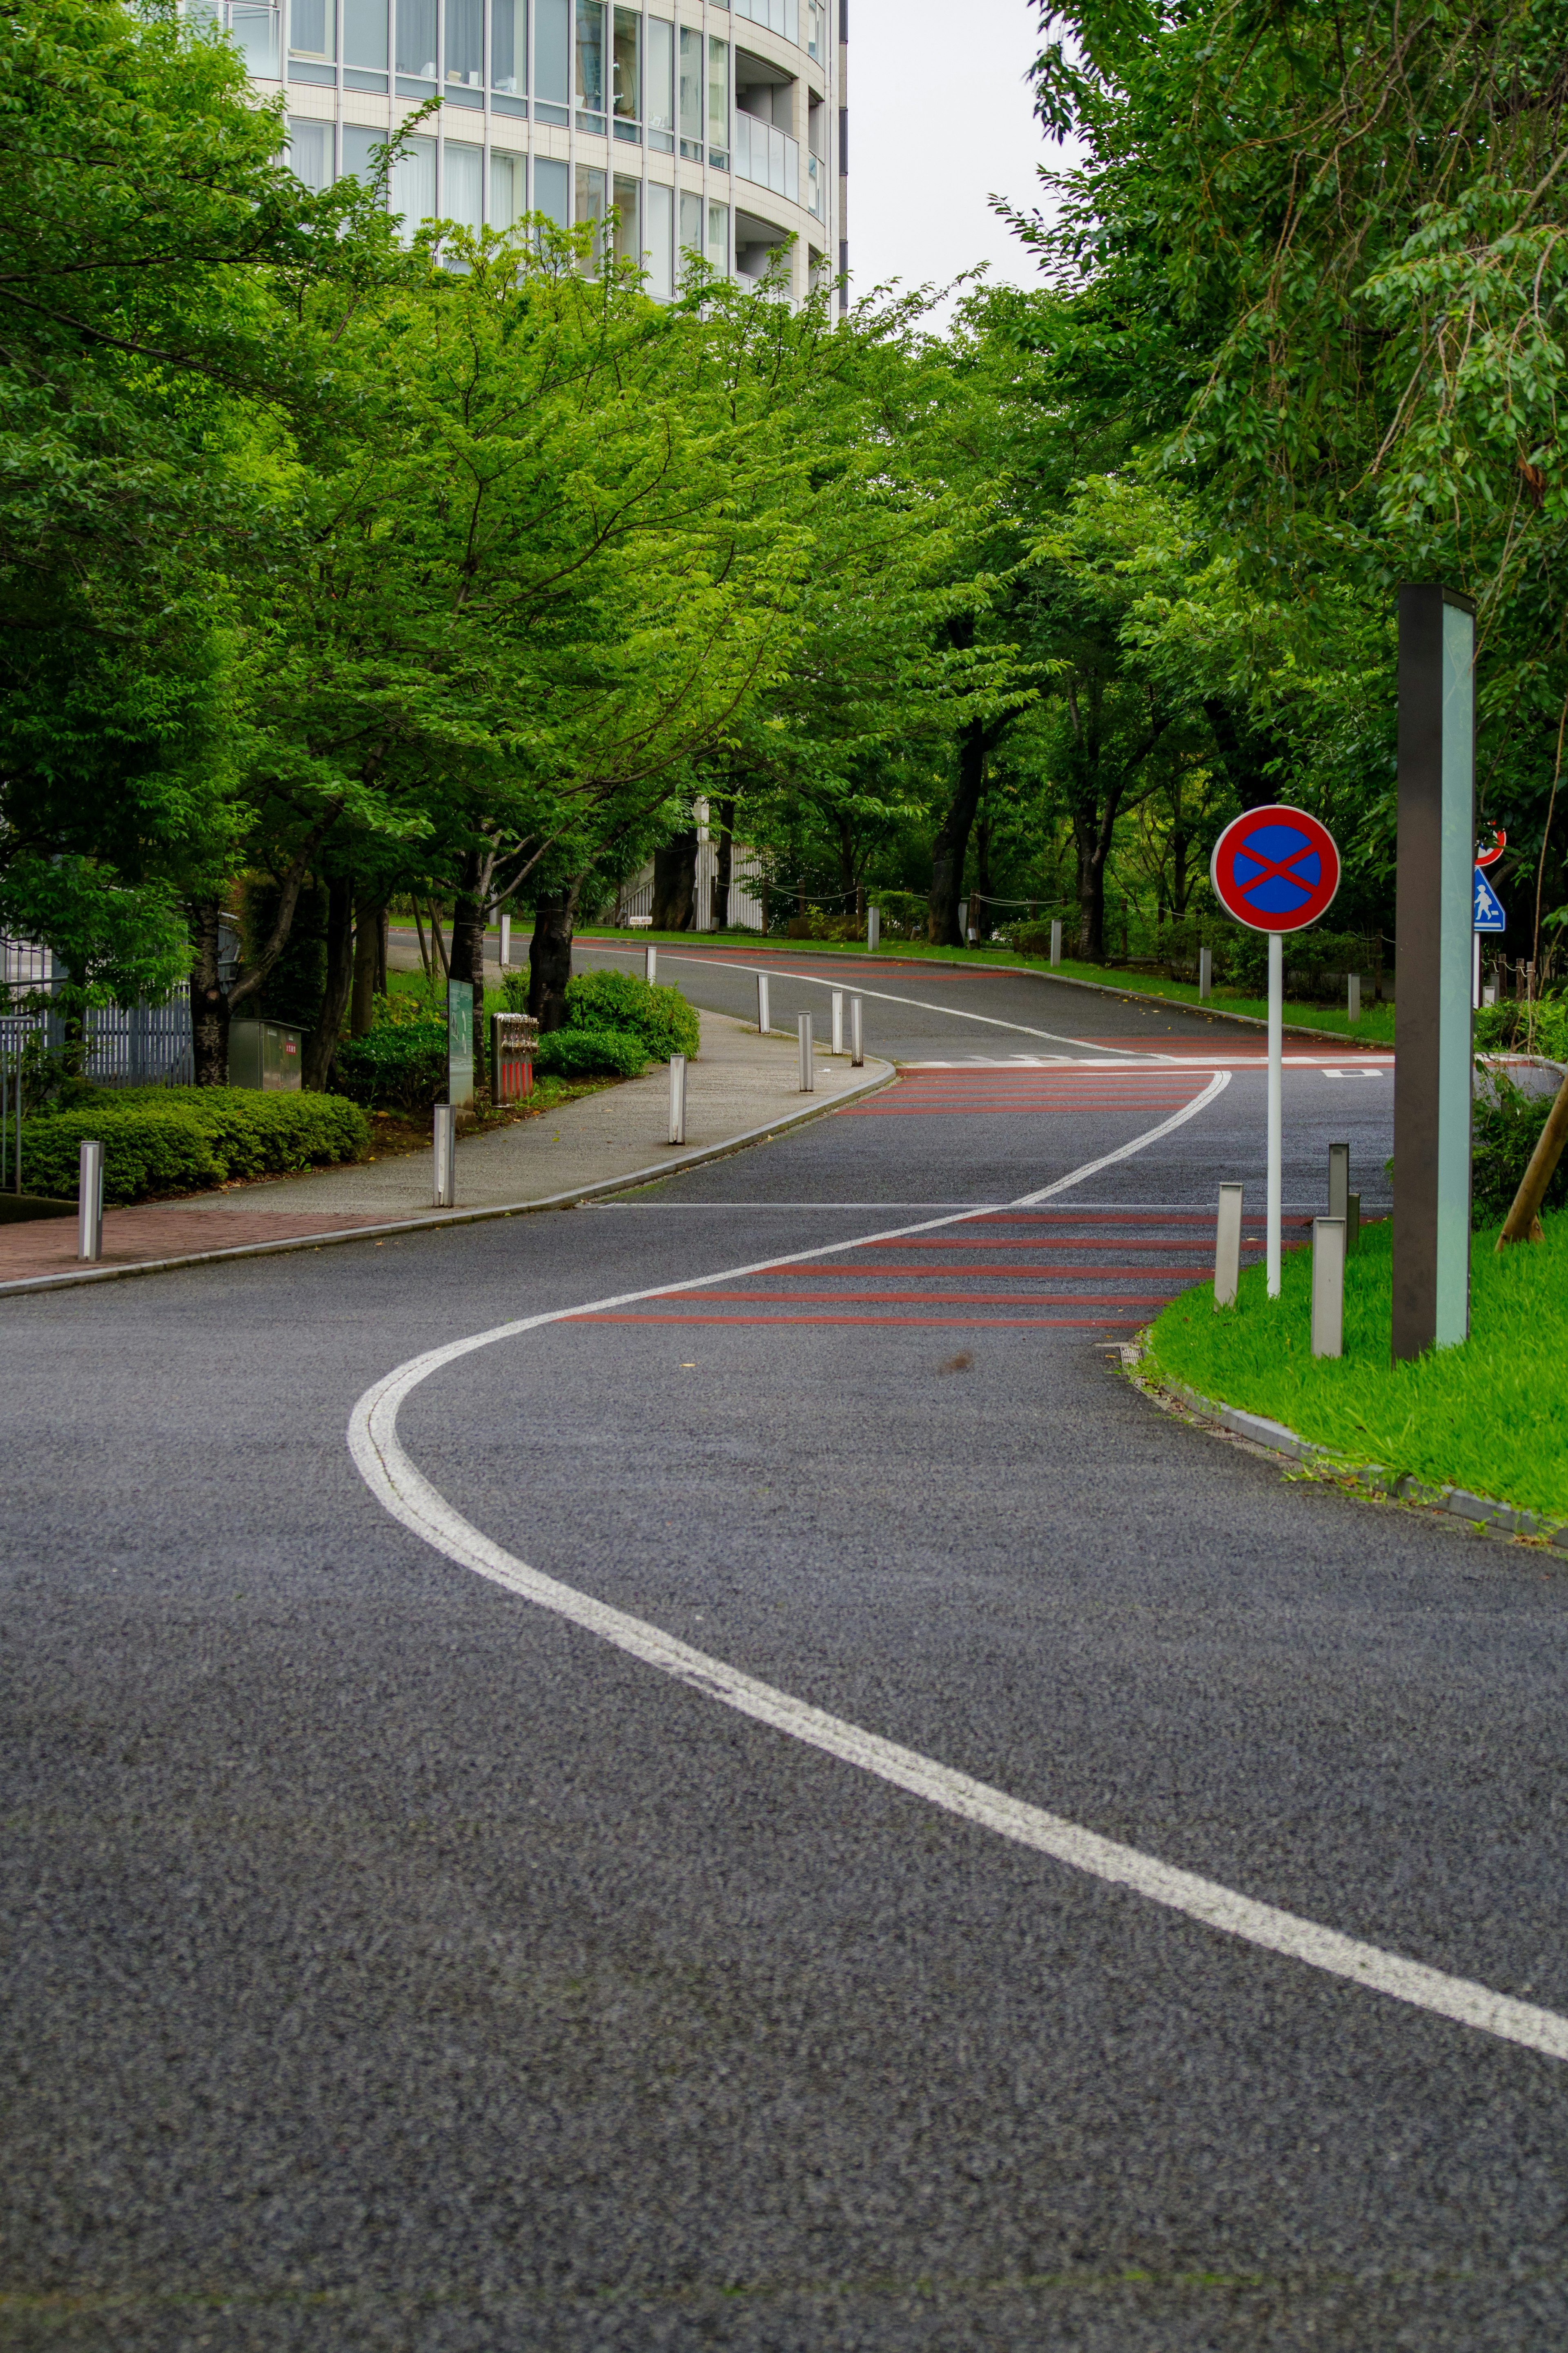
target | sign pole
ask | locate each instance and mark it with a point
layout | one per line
(1275, 1106)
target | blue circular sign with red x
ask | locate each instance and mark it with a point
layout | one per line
(1275, 870)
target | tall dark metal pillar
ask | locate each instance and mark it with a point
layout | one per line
(1432, 1078)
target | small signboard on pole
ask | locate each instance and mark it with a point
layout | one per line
(1489, 913)
(1276, 869)
(461, 1044)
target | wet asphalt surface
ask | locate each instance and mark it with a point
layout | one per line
(392, 1965)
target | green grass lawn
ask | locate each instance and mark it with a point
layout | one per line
(1488, 1415)
(1375, 1027)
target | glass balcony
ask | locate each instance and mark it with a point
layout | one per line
(778, 16)
(769, 157)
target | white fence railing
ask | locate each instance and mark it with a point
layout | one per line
(769, 157)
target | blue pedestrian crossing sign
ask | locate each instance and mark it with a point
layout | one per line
(1488, 915)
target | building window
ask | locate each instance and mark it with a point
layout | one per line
(416, 42)
(626, 96)
(311, 153)
(719, 104)
(509, 47)
(364, 43)
(413, 185)
(360, 159)
(691, 222)
(591, 66)
(463, 184)
(552, 191)
(628, 221)
(658, 225)
(465, 43)
(659, 84)
(691, 95)
(718, 238)
(253, 29)
(590, 206)
(507, 201)
(311, 30)
(552, 59)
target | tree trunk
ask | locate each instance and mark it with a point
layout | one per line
(209, 1005)
(980, 898)
(951, 844)
(370, 961)
(726, 865)
(550, 957)
(846, 862)
(384, 924)
(467, 953)
(321, 1044)
(675, 884)
(1242, 755)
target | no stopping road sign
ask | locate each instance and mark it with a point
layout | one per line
(1275, 870)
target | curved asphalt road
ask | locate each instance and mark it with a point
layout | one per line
(391, 1964)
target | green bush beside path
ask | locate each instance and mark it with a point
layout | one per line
(161, 1140)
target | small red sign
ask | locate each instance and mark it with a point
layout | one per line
(1488, 854)
(1275, 870)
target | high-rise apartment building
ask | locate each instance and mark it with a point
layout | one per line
(708, 128)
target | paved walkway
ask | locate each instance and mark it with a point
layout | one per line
(740, 1084)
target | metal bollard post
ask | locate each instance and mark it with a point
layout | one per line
(807, 1067)
(873, 928)
(1228, 1246)
(1328, 1286)
(678, 1099)
(856, 1035)
(651, 963)
(1056, 940)
(89, 1204)
(505, 941)
(963, 921)
(1206, 971)
(838, 1021)
(1352, 998)
(446, 1144)
(764, 1012)
(1338, 1179)
(1353, 1223)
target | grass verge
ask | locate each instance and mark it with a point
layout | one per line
(1374, 1028)
(1488, 1416)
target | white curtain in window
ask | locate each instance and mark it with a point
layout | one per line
(310, 151)
(691, 220)
(551, 190)
(658, 231)
(464, 190)
(413, 184)
(507, 206)
(360, 144)
(718, 235)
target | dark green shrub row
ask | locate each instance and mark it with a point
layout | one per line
(591, 1053)
(398, 1064)
(620, 1001)
(184, 1139)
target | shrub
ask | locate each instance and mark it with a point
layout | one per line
(401, 1061)
(1508, 1124)
(660, 1017)
(591, 1053)
(1514, 1026)
(182, 1139)
(904, 914)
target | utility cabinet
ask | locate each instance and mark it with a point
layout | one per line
(266, 1055)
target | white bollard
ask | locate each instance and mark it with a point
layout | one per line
(650, 962)
(873, 928)
(856, 1035)
(89, 1204)
(765, 1011)
(505, 941)
(1328, 1286)
(678, 1099)
(1338, 1179)
(963, 919)
(838, 1021)
(807, 1066)
(1228, 1246)
(1352, 998)
(445, 1152)
(1206, 971)
(1056, 940)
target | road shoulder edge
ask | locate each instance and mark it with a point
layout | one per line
(879, 1074)
(1373, 1480)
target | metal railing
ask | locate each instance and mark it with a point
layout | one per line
(769, 157)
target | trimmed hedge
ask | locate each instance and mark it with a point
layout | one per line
(398, 1062)
(612, 1001)
(186, 1139)
(591, 1053)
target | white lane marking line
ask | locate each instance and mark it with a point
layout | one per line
(409, 1497)
(855, 988)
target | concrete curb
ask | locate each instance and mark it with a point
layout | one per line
(878, 1075)
(1029, 972)
(1482, 1511)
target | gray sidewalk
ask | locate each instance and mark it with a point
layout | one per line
(740, 1083)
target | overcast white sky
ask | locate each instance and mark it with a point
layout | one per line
(939, 119)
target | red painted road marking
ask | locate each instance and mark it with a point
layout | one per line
(972, 1322)
(961, 1299)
